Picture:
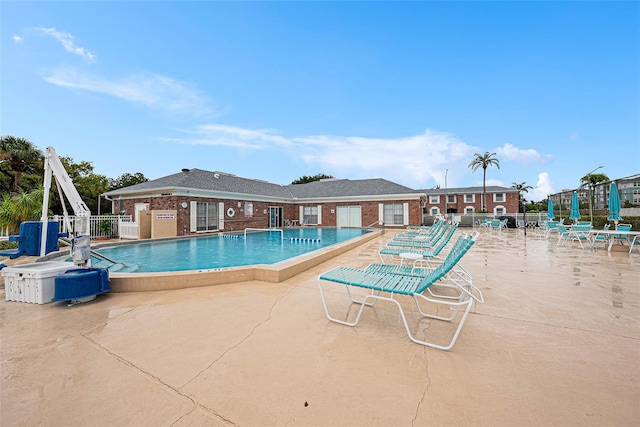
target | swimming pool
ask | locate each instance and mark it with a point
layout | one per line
(221, 251)
(279, 271)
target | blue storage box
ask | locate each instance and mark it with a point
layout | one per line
(81, 283)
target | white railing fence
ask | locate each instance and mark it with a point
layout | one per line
(100, 226)
(471, 219)
(127, 228)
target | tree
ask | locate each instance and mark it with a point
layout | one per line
(521, 187)
(126, 180)
(88, 184)
(23, 158)
(20, 207)
(306, 179)
(484, 160)
(589, 181)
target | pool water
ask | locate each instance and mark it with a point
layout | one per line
(211, 252)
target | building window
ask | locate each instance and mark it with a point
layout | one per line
(310, 214)
(499, 197)
(469, 210)
(451, 198)
(435, 211)
(499, 211)
(206, 216)
(434, 200)
(393, 214)
(469, 198)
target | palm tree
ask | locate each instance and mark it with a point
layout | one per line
(20, 207)
(590, 181)
(484, 160)
(522, 187)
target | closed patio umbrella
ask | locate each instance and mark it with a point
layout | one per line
(614, 203)
(575, 207)
(550, 209)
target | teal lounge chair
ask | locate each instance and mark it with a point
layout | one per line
(393, 253)
(409, 285)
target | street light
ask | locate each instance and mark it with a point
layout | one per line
(590, 192)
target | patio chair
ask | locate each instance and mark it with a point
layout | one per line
(393, 253)
(600, 239)
(485, 224)
(563, 235)
(541, 229)
(552, 227)
(497, 224)
(412, 286)
(621, 238)
(580, 233)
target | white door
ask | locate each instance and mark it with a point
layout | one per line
(349, 216)
(139, 207)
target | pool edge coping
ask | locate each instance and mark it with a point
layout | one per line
(273, 273)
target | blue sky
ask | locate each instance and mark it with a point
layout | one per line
(406, 91)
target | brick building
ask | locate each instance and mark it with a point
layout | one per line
(205, 201)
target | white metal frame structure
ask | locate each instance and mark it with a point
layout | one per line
(54, 167)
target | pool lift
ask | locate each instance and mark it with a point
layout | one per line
(83, 283)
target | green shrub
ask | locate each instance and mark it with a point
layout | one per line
(4, 244)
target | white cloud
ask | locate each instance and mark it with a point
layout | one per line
(511, 152)
(16, 38)
(67, 41)
(543, 188)
(151, 90)
(416, 161)
(413, 160)
(231, 136)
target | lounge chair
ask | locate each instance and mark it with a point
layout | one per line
(431, 251)
(422, 232)
(409, 285)
(423, 266)
(421, 242)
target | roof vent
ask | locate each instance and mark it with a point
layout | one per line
(185, 170)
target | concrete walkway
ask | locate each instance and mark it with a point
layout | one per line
(555, 344)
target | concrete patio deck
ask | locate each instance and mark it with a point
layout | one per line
(555, 344)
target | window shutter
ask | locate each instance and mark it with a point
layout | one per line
(405, 213)
(221, 216)
(380, 213)
(193, 216)
(319, 214)
(301, 217)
